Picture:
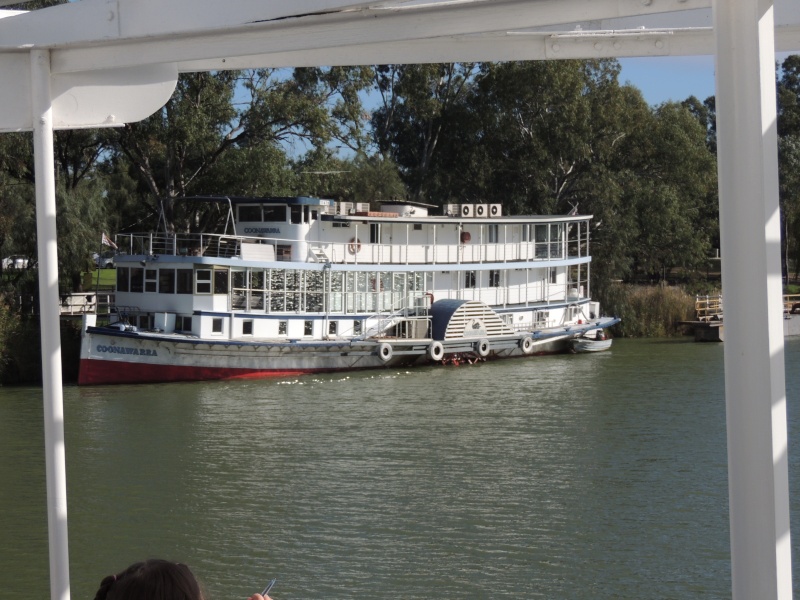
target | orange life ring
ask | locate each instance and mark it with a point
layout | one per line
(354, 245)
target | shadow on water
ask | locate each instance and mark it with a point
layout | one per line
(593, 476)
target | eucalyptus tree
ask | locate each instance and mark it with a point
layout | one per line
(80, 190)
(414, 115)
(226, 132)
(788, 88)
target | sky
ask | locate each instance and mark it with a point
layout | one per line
(670, 78)
(673, 78)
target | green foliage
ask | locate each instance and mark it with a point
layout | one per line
(647, 311)
(81, 222)
(9, 330)
(543, 137)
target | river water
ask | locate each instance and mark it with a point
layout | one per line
(563, 477)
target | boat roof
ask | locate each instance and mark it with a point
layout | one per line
(379, 216)
(302, 200)
(372, 218)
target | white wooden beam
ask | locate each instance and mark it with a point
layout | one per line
(755, 391)
(105, 21)
(85, 49)
(499, 47)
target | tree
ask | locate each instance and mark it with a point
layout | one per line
(416, 101)
(788, 89)
(240, 117)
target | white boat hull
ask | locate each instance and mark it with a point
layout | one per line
(111, 356)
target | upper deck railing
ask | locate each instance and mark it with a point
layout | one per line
(354, 251)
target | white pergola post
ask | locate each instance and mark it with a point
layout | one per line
(755, 388)
(42, 115)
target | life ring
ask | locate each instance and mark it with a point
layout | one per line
(354, 245)
(482, 348)
(526, 344)
(385, 352)
(436, 351)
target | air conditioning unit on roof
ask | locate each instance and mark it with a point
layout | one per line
(466, 210)
(481, 210)
(362, 207)
(344, 208)
(495, 210)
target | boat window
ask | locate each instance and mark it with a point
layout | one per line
(183, 323)
(122, 279)
(145, 321)
(553, 275)
(247, 327)
(284, 252)
(238, 279)
(526, 233)
(375, 233)
(493, 233)
(216, 325)
(150, 280)
(358, 327)
(308, 328)
(332, 327)
(275, 214)
(494, 278)
(184, 283)
(556, 235)
(283, 327)
(137, 280)
(203, 281)
(296, 213)
(250, 213)
(221, 281)
(469, 279)
(166, 281)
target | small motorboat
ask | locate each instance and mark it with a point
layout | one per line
(591, 343)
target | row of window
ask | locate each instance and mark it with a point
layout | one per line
(471, 277)
(206, 281)
(172, 281)
(298, 214)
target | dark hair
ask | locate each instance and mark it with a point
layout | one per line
(154, 579)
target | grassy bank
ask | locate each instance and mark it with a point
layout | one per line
(648, 311)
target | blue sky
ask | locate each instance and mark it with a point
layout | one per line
(673, 78)
(670, 78)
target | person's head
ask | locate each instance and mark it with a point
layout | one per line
(153, 579)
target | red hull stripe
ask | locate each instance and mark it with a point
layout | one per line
(99, 372)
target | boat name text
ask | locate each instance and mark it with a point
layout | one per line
(126, 350)
(276, 230)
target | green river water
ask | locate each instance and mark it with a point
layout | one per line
(563, 477)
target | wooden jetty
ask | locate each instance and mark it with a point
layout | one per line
(708, 325)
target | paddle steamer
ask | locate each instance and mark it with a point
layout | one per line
(306, 285)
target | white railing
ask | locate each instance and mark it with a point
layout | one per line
(357, 252)
(86, 303)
